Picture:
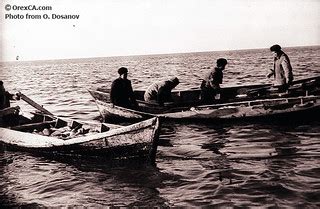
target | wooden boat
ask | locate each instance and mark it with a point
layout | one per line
(187, 99)
(285, 108)
(52, 136)
(291, 107)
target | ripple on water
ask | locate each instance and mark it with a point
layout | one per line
(226, 165)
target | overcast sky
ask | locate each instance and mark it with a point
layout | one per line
(135, 27)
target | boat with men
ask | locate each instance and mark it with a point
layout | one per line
(237, 102)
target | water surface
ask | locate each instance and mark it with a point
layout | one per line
(274, 164)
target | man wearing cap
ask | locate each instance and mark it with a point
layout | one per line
(121, 90)
(282, 70)
(210, 86)
(160, 92)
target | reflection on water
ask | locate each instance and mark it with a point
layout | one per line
(50, 182)
(242, 165)
(236, 165)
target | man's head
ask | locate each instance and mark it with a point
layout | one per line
(221, 63)
(174, 81)
(123, 72)
(275, 49)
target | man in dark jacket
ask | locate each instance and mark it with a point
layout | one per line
(210, 86)
(8, 118)
(5, 97)
(121, 90)
(282, 69)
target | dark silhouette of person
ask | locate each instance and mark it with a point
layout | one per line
(5, 97)
(121, 90)
(210, 86)
(8, 118)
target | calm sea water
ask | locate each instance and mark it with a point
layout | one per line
(244, 164)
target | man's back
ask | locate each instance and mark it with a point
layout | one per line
(161, 91)
(152, 91)
(283, 70)
(213, 79)
(121, 92)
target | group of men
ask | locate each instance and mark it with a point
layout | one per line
(122, 93)
(160, 92)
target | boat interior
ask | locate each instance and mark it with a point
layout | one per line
(186, 99)
(51, 126)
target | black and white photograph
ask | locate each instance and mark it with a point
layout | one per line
(160, 103)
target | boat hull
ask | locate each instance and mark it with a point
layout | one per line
(248, 113)
(187, 106)
(139, 140)
(258, 109)
(109, 112)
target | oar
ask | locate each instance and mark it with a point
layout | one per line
(34, 104)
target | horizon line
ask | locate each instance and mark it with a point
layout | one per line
(152, 54)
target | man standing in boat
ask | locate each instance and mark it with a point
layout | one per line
(210, 86)
(122, 92)
(160, 92)
(282, 69)
(5, 97)
(8, 116)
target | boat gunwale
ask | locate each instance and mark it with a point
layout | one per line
(85, 139)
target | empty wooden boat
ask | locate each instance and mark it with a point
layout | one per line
(57, 137)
